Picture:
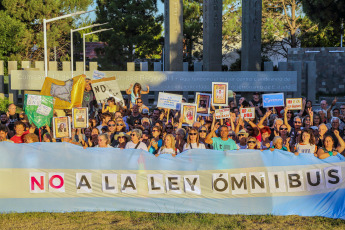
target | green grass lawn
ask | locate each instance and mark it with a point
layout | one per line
(140, 220)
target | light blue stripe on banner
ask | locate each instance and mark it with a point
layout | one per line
(312, 205)
(69, 156)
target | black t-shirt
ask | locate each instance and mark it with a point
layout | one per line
(131, 120)
(13, 119)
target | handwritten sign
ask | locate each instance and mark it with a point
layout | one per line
(248, 112)
(106, 88)
(33, 100)
(98, 75)
(222, 113)
(168, 100)
(273, 100)
(43, 110)
(294, 103)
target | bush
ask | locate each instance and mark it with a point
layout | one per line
(4, 103)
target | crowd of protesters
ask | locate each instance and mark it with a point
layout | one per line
(160, 131)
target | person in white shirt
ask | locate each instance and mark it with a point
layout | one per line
(135, 142)
(193, 140)
(168, 147)
(307, 144)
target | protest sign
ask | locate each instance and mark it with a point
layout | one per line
(168, 100)
(98, 75)
(248, 112)
(294, 103)
(39, 109)
(80, 117)
(273, 100)
(199, 180)
(203, 101)
(222, 113)
(61, 127)
(188, 112)
(105, 88)
(220, 93)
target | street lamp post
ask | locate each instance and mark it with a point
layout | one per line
(45, 21)
(83, 28)
(84, 35)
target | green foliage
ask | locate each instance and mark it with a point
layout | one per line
(137, 30)
(4, 103)
(326, 13)
(30, 15)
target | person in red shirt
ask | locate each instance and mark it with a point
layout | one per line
(19, 128)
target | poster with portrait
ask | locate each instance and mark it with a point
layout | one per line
(220, 93)
(61, 127)
(188, 112)
(203, 102)
(80, 118)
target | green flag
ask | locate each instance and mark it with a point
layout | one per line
(39, 109)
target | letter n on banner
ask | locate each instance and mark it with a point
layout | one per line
(155, 183)
(84, 182)
(56, 182)
(333, 176)
(295, 181)
(109, 183)
(220, 182)
(192, 184)
(257, 182)
(129, 183)
(173, 184)
(37, 181)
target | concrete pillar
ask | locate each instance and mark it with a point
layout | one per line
(268, 66)
(297, 66)
(66, 66)
(251, 35)
(197, 66)
(52, 66)
(130, 66)
(157, 66)
(2, 80)
(12, 94)
(39, 65)
(185, 66)
(173, 30)
(144, 66)
(93, 66)
(311, 80)
(212, 35)
(79, 66)
(26, 64)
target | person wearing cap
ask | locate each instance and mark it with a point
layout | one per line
(242, 139)
(121, 139)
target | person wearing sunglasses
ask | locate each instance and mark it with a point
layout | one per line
(135, 142)
(121, 140)
(284, 134)
(193, 140)
(223, 142)
(242, 139)
(169, 128)
(252, 143)
(120, 125)
(168, 147)
(156, 141)
(111, 132)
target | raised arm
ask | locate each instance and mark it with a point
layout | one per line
(129, 90)
(341, 145)
(254, 126)
(330, 108)
(146, 91)
(300, 114)
(208, 138)
(286, 120)
(261, 122)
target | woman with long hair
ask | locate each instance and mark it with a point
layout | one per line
(168, 147)
(328, 149)
(136, 92)
(306, 144)
(156, 141)
(193, 140)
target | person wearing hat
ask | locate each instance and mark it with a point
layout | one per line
(242, 139)
(122, 139)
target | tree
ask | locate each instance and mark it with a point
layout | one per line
(137, 31)
(31, 13)
(326, 13)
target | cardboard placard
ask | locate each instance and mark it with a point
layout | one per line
(273, 100)
(168, 100)
(222, 113)
(248, 112)
(105, 88)
(294, 103)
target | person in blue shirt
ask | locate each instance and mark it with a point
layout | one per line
(223, 142)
